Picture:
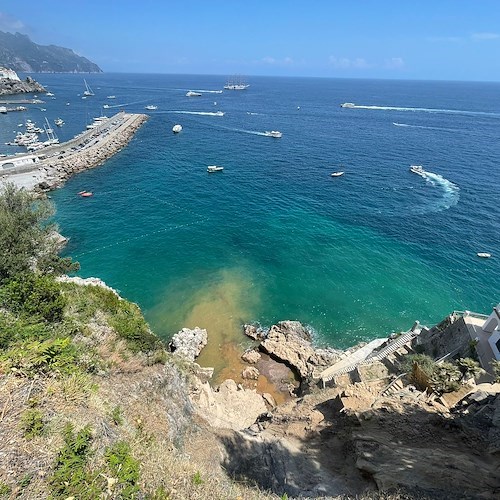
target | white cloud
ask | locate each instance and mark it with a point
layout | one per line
(485, 36)
(269, 60)
(8, 23)
(394, 63)
(346, 63)
(277, 62)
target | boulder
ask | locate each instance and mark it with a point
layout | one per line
(254, 332)
(290, 342)
(188, 343)
(251, 356)
(250, 373)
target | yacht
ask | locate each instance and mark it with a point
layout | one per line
(348, 105)
(236, 83)
(151, 107)
(416, 169)
(59, 122)
(193, 94)
(176, 129)
(337, 174)
(273, 133)
(111, 97)
(88, 91)
(50, 94)
(484, 255)
(214, 168)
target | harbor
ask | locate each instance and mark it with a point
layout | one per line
(51, 166)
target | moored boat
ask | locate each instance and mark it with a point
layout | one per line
(337, 174)
(176, 129)
(214, 168)
(484, 255)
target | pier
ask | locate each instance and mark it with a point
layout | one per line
(50, 167)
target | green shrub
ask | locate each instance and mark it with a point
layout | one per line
(25, 237)
(56, 356)
(445, 378)
(34, 297)
(13, 330)
(5, 489)
(32, 423)
(197, 478)
(426, 363)
(125, 468)
(116, 415)
(72, 476)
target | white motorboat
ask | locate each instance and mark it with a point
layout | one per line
(417, 169)
(59, 122)
(337, 174)
(49, 94)
(176, 129)
(484, 255)
(219, 113)
(214, 168)
(111, 97)
(151, 107)
(88, 91)
(193, 94)
(273, 133)
(106, 106)
(348, 105)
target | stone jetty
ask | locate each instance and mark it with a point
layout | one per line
(53, 165)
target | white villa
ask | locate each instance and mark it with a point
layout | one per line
(9, 74)
(485, 331)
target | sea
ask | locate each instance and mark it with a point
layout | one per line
(274, 236)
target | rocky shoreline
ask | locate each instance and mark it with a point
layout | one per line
(12, 87)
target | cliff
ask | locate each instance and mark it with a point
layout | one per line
(18, 52)
(11, 86)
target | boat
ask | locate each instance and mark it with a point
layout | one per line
(236, 83)
(193, 94)
(417, 169)
(219, 113)
(151, 107)
(59, 122)
(86, 194)
(348, 105)
(50, 94)
(484, 255)
(88, 91)
(337, 174)
(273, 133)
(176, 129)
(106, 106)
(214, 168)
(111, 97)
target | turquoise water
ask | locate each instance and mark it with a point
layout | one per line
(275, 236)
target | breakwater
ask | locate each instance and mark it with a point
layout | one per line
(49, 168)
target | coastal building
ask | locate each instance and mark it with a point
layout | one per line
(21, 161)
(484, 331)
(6, 73)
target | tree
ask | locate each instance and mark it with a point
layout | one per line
(496, 369)
(26, 236)
(445, 378)
(468, 367)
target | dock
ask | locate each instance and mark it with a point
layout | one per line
(50, 167)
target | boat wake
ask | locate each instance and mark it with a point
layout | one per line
(201, 113)
(407, 125)
(202, 91)
(426, 110)
(109, 106)
(451, 192)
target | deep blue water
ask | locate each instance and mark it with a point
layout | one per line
(275, 236)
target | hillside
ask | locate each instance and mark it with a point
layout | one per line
(19, 53)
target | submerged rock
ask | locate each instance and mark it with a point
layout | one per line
(250, 373)
(188, 343)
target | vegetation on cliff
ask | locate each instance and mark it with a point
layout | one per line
(91, 404)
(19, 53)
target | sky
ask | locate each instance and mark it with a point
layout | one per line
(403, 39)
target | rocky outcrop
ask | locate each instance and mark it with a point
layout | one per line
(10, 86)
(290, 342)
(251, 356)
(86, 282)
(250, 373)
(188, 343)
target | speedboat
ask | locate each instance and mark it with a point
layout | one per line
(416, 169)
(111, 97)
(219, 113)
(337, 174)
(214, 168)
(50, 94)
(273, 133)
(106, 106)
(484, 255)
(348, 105)
(151, 107)
(59, 122)
(176, 129)
(193, 94)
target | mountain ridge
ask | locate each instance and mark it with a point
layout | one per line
(19, 53)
